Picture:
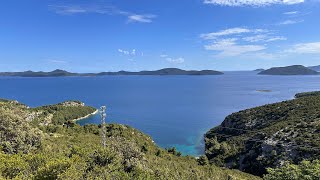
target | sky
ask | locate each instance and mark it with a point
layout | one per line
(106, 35)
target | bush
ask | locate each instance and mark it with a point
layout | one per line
(305, 170)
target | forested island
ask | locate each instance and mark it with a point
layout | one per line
(270, 136)
(289, 70)
(63, 73)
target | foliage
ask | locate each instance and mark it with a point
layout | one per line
(70, 151)
(255, 139)
(305, 170)
(306, 94)
(16, 135)
(203, 160)
(62, 113)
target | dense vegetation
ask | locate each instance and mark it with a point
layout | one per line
(304, 170)
(305, 94)
(60, 113)
(289, 70)
(34, 146)
(268, 136)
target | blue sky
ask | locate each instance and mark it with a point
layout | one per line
(105, 35)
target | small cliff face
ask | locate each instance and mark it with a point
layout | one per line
(267, 136)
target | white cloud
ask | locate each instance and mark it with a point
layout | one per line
(305, 48)
(252, 2)
(132, 52)
(231, 31)
(178, 60)
(291, 13)
(263, 38)
(229, 47)
(101, 9)
(175, 60)
(123, 52)
(80, 9)
(288, 22)
(141, 18)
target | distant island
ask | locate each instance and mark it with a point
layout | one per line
(289, 70)
(259, 70)
(315, 68)
(62, 73)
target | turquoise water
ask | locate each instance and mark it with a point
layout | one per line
(174, 110)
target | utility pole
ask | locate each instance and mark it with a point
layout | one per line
(103, 115)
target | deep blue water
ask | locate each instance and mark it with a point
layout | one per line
(174, 110)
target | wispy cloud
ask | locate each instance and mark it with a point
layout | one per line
(178, 60)
(131, 55)
(132, 52)
(264, 38)
(231, 31)
(288, 22)
(141, 18)
(82, 9)
(249, 42)
(252, 2)
(291, 13)
(229, 47)
(101, 9)
(305, 48)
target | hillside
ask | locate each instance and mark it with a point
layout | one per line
(268, 136)
(289, 70)
(315, 68)
(61, 73)
(44, 143)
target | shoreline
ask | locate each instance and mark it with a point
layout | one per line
(84, 117)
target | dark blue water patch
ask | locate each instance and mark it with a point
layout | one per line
(174, 110)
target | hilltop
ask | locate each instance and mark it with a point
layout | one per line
(61, 73)
(45, 143)
(255, 139)
(289, 70)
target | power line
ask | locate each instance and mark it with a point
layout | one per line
(103, 116)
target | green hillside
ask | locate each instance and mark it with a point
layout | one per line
(43, 143)
(268, 136)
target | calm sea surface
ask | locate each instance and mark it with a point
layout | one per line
(174, 110)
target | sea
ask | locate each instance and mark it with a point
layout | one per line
(176, 111)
